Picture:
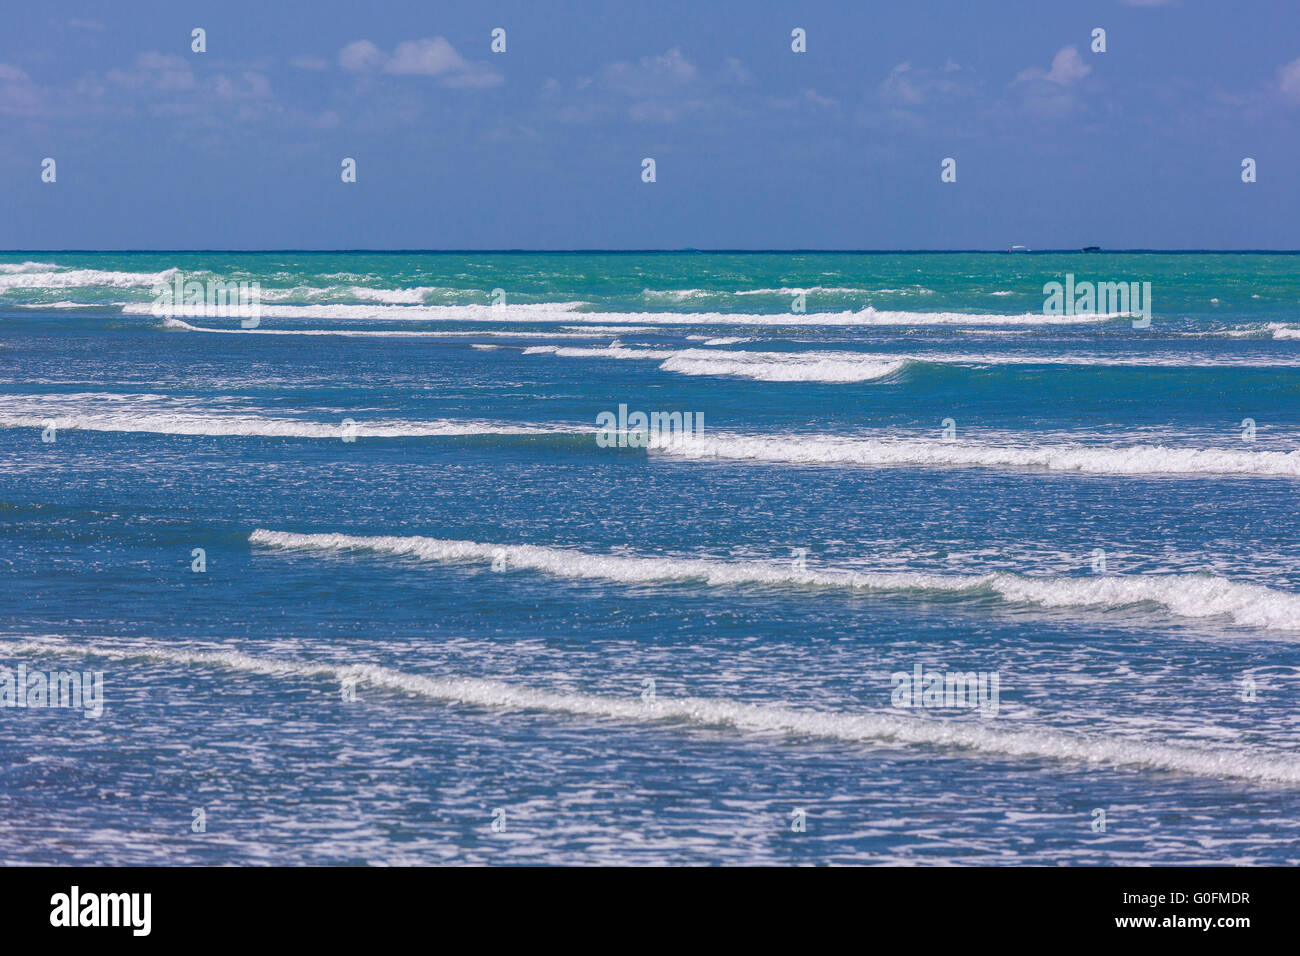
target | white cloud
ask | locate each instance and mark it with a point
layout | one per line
(427, 57)
(361, 57)
(650, 75)
(1288, 79)
(1067, 68)
(248, 85)
(19, 96)
(899, 88)
(161, 72)
(816, 99)
(660, 89)
(654, 89)
(733, 71)
(906, 86)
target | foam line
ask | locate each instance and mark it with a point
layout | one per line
(566, 312)
(83, 278)
(1077, 458)
(869, 727)
(255, 426)
(841, 366)
(1183, 595)
(171, 322)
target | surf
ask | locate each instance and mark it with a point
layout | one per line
(872, 452)
(167, 415)
(1182, 595)
(870, 727)
(570, 312)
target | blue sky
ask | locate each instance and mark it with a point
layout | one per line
(755, 146)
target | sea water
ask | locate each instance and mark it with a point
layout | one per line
(363, 586)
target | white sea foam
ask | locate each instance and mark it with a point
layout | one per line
(678, 294)
(610, 329)
(866, 317)
(548, 312)
(684, 294)
(869, 727)
(84, 278)
(174, 323)
(13, 267)
(841, 366)
(761, 366)
(796, 367)
(414, 296)
(613, 350)
(1185, 595)
(256, 426)
(297, 292)
(807, 290)
(1087, 459)
(565, 312)
(164, 415)
(1264, 330)
(410, 296)
(719, 340)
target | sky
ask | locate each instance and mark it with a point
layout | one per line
(756, 146)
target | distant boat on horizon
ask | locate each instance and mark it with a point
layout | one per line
(1092, 248)
(1018, 249)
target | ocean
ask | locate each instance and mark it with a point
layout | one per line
(913, 567)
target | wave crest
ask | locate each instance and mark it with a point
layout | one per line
(1082, 459)
(863, 727)
(1184, 595)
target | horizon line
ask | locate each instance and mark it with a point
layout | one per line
(681, 250)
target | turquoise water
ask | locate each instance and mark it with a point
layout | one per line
(660, 654)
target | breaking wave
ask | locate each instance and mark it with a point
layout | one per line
(567, 312)
(160, 415)
(82, 278)
(1265, 766)
(840, 366)
(1183, 595)
(1084, 459)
